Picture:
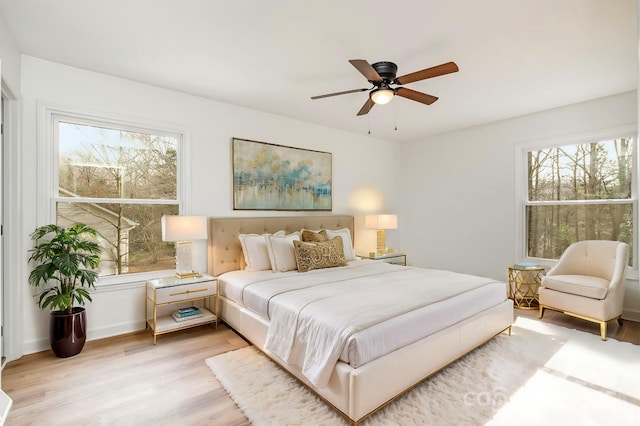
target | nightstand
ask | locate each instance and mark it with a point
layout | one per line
(166, 295)
(396, 257)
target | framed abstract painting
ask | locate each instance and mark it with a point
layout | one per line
(274, 177)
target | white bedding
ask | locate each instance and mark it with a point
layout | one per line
(401, 305)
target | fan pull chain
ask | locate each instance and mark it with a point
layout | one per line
(395, 116)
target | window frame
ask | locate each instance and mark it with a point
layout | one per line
(522, 191)
(47, 173)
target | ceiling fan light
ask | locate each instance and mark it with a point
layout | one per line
(382, 96)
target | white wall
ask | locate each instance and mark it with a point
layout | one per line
(358, 187)
(10, 56)
(458, 205)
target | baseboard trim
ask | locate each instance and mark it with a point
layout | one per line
(631, 315)
(41, 345)
(133, 326)
(116, 330)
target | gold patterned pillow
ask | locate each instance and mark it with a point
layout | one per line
(310, 236)
(326, 254)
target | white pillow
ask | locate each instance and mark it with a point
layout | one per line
(346, 241)
(281, 252)
(254, 249)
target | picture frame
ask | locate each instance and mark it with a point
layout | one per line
(268, 176)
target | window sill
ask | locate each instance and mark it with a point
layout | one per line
(129, 281)
(632, 274)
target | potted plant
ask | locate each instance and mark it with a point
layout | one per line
(66, 260)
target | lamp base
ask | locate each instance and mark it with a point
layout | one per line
(184, 268)
(381, 241)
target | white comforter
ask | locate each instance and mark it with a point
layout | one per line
(321, 311)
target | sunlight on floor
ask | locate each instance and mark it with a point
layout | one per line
(587, 381)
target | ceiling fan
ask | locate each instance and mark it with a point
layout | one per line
(383, 74)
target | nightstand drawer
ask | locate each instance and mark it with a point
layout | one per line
(185, 292)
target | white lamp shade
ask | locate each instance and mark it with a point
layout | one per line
(381, 221)
(184, 228)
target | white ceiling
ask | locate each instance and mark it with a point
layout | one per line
(515, 56)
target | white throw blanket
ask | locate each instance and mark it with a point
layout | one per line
(322, 316)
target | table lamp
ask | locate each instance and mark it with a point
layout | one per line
(381, 222)
(182, 230)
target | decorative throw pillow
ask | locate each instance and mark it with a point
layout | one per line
(347, 243)
(281, 252)
(310, 236)
(254, 249)
(320, 255)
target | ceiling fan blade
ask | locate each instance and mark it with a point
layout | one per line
(338, 93)
(416, 96)
(366, 107)
(436, 71)
(366, 69)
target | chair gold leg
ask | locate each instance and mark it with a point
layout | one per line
(603, 330)
(603, 324)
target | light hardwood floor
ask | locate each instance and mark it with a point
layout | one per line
(126, 380)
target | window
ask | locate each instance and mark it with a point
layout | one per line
(583, 191)
(120, 180)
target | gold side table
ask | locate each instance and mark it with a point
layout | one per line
(524, 282)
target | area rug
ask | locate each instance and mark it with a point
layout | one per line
(541, 374)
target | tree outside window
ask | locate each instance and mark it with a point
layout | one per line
(580, 192)
(120, 182)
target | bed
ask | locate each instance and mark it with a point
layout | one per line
(376, 352)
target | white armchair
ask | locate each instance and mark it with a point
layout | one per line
(587, 282)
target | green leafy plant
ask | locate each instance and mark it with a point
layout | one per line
(66, 262)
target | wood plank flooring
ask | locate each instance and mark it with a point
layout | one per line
(126, 380)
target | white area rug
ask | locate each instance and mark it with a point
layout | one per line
(540, 375)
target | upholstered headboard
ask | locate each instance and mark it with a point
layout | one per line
(224, 246)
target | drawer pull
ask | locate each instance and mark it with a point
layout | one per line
(189, 291)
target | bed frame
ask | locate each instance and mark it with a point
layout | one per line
(354, 392)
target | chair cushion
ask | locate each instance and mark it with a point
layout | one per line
(581, 285)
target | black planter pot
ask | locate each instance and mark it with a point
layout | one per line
(68, 332)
